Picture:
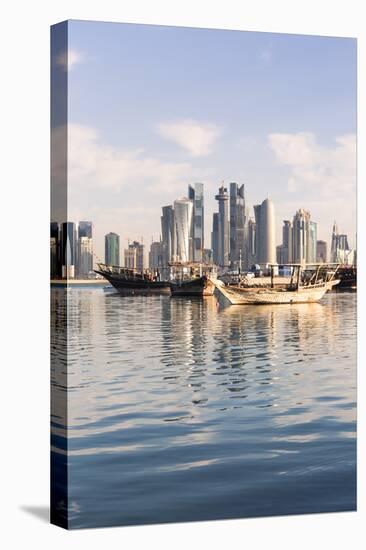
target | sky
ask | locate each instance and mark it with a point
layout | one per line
(152, 109)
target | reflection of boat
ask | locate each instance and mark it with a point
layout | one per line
(296, 291)
(192, 279)
(129, 281)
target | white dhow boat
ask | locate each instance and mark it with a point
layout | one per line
(296, 291)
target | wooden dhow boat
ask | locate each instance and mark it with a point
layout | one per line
(130, 281)
(297, 291)
(192, 279)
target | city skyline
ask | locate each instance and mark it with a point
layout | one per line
(263, 115)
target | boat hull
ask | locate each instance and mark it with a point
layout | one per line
(202, 286)
(262, 296)
(136, 286)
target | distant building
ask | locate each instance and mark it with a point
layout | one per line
(238, 226)
(195, 194)
(223, 229)
(340, 250)
(265, 232)
(207, 256)
(281, 254)
(215, 238)
(251, 242)
(135, 256)
(86, 229)
(286, 253)
(156, 254)
(68, 250)
(85, 249)
(85, 256)
(112, 249)
(321, 252)
(304, 238)
(183, 219)
(168, 234)
(55, 264)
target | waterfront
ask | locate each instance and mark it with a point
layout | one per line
(184, 409)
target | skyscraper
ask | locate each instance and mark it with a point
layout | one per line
(301, 236)
(215, 238)
(55, 264)
(238, 226)
(135, 256)
(286, 253)
(85, 248)
(183, 219)
(195, 194)
(334, 242)
(321, 251)
(85, 256)
(311, 252)
(111, 242)
(340, 250)
(86, 229)
(265, 232)
(68, 249)
(168, 234)
(251, 242)
(156, 255)
(223, 230)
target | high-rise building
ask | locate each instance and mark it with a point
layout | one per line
(68, 250)
(238, 226)
(55, 264)
(301, 236)
(111, 242)
(85, 256)
(215, 238)
(265, 232)
(86, 229)
(321, 251)
(168, 234)
(223, 230)
(183, 218)
(85, 249)
(334, 242)
(311, 252)
(135, 256)
(286, 253)
(281, 254)
(340, 251)
(251, 242)
(195, 194)
(156, 255)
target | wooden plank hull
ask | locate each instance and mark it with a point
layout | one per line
(242, 296)
(136, 286)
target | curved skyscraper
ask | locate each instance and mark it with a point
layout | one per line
(183, 218)
(265, 232)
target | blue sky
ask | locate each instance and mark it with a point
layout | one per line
(152, 109)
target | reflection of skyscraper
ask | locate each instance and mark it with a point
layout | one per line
(223, 230)
(183, 218)
(238, 226)
(68, 249)
(85, 248)
(111, 242)
(195, 194)
(215, 238)
(265, 232)
(168, 234)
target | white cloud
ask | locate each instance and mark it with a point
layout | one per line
(67, 60)
(330, 171)
(195, 137)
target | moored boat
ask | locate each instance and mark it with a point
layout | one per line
(295, 292)
(200, 286)
(128, 281)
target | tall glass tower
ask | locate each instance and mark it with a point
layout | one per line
(183, 217)
(238, 226)
(195, 194)
(111, 242)
(223, 231)
(265, 232)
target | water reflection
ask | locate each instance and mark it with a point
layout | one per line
(163, 389)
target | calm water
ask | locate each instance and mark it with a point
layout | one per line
(184, 409)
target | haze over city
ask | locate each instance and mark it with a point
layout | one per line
(166, 107)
